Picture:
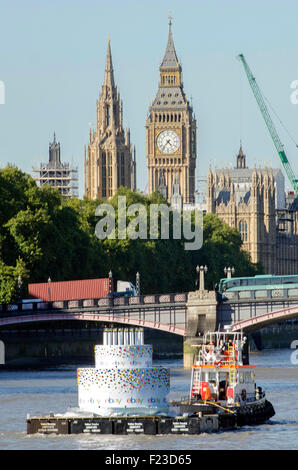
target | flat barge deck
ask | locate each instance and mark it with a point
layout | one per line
(142, 425)
(196, 423)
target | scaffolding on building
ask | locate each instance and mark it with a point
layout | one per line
(58, 175)
(63, 177)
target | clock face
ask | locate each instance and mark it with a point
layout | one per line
(168, 142)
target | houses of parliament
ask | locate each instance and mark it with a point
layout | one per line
(251, 200)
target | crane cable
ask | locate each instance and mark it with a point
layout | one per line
(282, 124)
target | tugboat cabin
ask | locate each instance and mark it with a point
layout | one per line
(220, 372)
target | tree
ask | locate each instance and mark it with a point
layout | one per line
(43, 234)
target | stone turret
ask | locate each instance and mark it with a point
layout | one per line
(109, 161)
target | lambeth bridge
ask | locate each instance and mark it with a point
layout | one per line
(188, 315)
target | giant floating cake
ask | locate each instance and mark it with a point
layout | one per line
(123, 381)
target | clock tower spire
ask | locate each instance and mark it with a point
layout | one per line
(171, 130)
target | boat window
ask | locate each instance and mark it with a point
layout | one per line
(293, 292)
(243, 282)
(223, 376)
(261, 293)
(277, 293)
(211, 376)
(235, 283)
(231, 295)
(290, 280)
(241, 378)
(245, 294)
(252, 376)
(247, 377)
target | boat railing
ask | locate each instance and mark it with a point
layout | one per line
(217, 358)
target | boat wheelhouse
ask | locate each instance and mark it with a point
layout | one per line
(221, 373)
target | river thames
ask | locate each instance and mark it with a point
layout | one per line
(54, 389)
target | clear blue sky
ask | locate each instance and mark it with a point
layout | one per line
(52, 59)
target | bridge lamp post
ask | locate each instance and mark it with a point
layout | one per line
(20, 284)
(49, 288)
(110, 282)
(201, 270)
(229, 271)
(138, 284)
(110, 288)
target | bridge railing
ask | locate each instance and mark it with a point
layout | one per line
(176, 298)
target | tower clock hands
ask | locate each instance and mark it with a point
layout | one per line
(168, 141)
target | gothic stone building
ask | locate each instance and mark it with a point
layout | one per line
(253, 202)
(110, 160)
(171, 132)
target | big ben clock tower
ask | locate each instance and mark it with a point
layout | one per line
(171, 131)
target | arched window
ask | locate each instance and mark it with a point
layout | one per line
(243, 230)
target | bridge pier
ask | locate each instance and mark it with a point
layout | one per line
(201, 317)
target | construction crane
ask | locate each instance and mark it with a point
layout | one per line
(263, 108)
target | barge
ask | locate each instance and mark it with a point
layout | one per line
(124, 394)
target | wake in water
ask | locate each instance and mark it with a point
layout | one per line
(75, 412)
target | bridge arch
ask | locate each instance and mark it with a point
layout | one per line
(104, 317)
(261, 321)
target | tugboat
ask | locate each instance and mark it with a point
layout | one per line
(125, 394)
(223, 381)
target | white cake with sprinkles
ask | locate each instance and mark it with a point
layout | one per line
(123, 381)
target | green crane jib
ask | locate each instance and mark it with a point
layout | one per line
(263, 108)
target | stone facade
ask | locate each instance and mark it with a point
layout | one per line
(201, 317)
(110, 160)
(247, 200)
(171, 140)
